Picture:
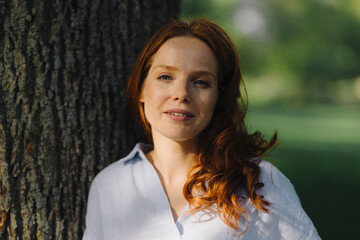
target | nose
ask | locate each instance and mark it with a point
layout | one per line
(182, 92)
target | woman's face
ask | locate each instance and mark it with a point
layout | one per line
(180, 91)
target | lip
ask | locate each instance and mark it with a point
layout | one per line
(186, 115)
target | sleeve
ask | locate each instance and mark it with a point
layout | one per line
(288, 218)
(94, 229)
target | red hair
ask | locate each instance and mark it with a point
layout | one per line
(227, 150)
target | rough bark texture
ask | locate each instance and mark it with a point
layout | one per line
(63, 116)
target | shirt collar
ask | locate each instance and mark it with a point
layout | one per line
(139, 150)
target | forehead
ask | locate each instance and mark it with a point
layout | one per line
(187, 52)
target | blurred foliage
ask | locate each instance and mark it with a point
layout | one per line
(304, 51)
(319, 153)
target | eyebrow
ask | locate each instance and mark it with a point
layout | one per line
(173, 68)
(166, 67)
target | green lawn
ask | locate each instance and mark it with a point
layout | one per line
(320, 154)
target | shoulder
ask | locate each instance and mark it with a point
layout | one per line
(106, 195)
(286, 217)
(277, 187)
(120, 168)
(278, 190)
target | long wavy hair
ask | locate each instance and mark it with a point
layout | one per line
(227, 156)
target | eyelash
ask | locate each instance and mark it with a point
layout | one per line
(201, 83)
(161, 77)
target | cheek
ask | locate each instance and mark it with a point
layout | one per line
(149, 114)
(153, 99)
(153, 93)
(208, 107)
(211, 111)
(211, 101)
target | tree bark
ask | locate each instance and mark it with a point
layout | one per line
(63, 115)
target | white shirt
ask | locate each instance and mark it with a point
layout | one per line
(127, 201)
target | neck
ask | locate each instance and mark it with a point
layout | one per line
(173, 159)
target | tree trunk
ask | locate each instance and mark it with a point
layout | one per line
(63, 115)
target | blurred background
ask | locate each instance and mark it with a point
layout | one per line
(301, 65)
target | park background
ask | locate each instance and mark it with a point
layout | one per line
(63, 114)
(301, 65)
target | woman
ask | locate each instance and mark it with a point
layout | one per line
(201, 177)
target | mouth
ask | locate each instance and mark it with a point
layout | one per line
(179, 113)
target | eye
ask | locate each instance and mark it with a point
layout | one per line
(164, 77)
(202, 83)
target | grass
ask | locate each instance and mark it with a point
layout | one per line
(320, 154)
